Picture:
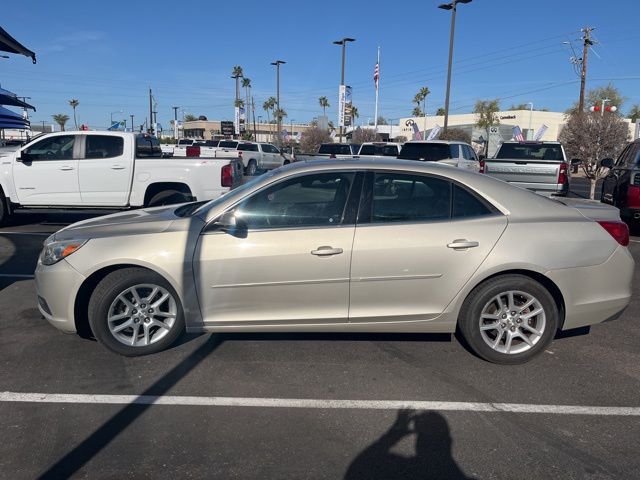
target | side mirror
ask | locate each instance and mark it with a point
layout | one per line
(606, 162)
(575, 161)
(482, 157)
(229, 223)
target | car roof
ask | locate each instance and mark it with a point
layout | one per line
(507, 198)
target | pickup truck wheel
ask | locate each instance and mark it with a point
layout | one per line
(509, 319)
(168, 197)
(135, 311)
(4, 209)
(252, 168)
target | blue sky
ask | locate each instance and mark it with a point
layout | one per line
(107, 54)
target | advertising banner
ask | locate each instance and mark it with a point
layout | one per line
(240, 120)
(345, 105)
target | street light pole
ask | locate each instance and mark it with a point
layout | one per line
(277, 64)
(175, 122)
(450, 6)
(343, 43)
(131, 122)
(530, 115)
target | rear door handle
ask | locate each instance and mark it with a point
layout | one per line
(326, 250)
(66, 167)
(461, 244)
(117, 167)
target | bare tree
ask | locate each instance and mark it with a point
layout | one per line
(591, 137)
(362, 135)
(401, 139)
(312, 138)
(455, 134)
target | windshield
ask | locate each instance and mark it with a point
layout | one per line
(429, 152)
(386, 150)
(528, 151)
(236, 192)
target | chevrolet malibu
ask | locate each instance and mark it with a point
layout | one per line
(344, 246)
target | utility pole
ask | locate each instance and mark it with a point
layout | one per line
(253, 113)
(587, 42)
(150, 127)
(131, 122)
(175, 122)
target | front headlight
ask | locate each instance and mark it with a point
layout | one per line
(55, 251)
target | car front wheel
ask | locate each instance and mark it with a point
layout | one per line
(135, 311)
(509, 319)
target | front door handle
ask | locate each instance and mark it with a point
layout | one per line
(117, 167)
(66, 167)
(462, 244)
(326, 250)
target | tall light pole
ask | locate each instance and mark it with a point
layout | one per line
(529, 133)
(175, 122)
(450, 6)
(343, 43)
(277, 64)
(131, 122)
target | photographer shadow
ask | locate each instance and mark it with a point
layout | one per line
(432, 459)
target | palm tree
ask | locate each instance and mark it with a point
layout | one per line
(268, 106)
(324, 103)
(61, 119)
(74, 104)
(421, 97)
(239, 103)
(237, 74)
(354, 115)
(279, 114)
(417, 112)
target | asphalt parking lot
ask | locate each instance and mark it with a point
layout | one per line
(304, 405)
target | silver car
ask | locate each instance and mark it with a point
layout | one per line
(343, 246)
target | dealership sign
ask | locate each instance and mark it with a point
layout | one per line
(227, 128)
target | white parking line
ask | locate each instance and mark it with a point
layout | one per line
(10, 232)
(15, 275)
(313, 403)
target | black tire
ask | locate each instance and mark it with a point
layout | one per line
(168, 197)
(104, 295)
(470, 314)
(286, 162)
(252, 168)
(4, 209)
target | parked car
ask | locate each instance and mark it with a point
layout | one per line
(118, 170)
(385, 149)
(331, 150)
(260, 156)
(343, 246)
(456, 154)
(621, 187)
(538, 166)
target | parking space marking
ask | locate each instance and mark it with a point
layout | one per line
(313, 403)
(15, 275)
(10, 232)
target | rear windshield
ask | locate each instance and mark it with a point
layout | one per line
(248, 147)
(335, 149)
(185, 142)
(227, 144)
(210, 143)
(526, 151)
(429, 152)
(386, 150)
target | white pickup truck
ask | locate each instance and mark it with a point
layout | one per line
(260, 156)
(110, 170)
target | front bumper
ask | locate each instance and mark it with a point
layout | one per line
(597, 293)
(57, 286)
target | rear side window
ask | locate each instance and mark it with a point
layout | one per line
(103, 146)
(428, 152)
(409, 198)
(248, 147)
(455, 150)
(148, 147)
(466, 204)
(227, 144)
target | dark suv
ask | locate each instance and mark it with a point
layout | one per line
(621, 187)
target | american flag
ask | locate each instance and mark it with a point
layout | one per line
(376, 74)
(517, 134)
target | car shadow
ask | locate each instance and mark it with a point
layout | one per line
(432, 459)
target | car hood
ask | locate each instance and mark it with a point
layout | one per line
(138, 222)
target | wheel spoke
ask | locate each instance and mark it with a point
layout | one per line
(496, 342)
(527, 304)
(122, 326)
(136, 296)
(490, 316)
(153, 293)
(126, 301)
(500, 302)
(490, 326)
(164, 314)
(507, 342)
(120, 316)
(537, 311)
(161, 300)
(134, 337)
(531, 329)
(510, 303)
(146, 334)
(525, 338)
(160, 324)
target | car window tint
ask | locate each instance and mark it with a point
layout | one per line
(148, 147)
(310, 200)
(623, 156)
(466, 204)
(406, 198)
(429, 152)
(59, 147)
(103, 146)
(455, 150)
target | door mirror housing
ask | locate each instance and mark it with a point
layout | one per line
(606, 162)
(575, 161)
(230, 223)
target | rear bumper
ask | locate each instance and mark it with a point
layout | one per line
(598, 293)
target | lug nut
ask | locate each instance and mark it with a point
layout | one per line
(504, 315)
(135, 311)
(513, 313)
(502, 325)
(146, 320)
(136, 320)
(143, 306)
(513, 329)
(519, 320)
(150, 310)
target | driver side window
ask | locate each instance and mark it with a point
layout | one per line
(59, 147)
(309, 201)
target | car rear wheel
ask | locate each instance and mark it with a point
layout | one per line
(168, 197)
(135, 311)
(4, 210)
(509, 319)
(252, 168)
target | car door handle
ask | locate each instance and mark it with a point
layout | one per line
(117, 167)
(66, 167)
(462, 244)
(326, 250)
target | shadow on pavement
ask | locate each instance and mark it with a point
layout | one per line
(432, 459)
(73, 461)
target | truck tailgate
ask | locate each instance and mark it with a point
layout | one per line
(523, 171)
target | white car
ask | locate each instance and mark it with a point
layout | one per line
(260, 156)
(385, 149)
(115, 170)
(450, 152)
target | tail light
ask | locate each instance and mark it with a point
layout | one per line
(226, 176)
(482, 166)
(618, 230)
(193, 151)
(633, 192)
(562, 174)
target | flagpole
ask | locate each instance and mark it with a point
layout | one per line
(375, 121)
